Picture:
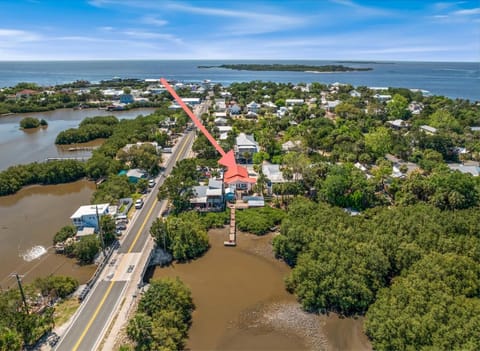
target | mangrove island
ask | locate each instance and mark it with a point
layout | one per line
(292, 68)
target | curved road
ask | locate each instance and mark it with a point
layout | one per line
(91, 321)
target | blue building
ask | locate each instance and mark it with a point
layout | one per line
(126, 98)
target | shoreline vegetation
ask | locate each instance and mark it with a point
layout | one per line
(290, 68)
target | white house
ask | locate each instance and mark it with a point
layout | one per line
(245, 144)
(253, 107)
(86, 216)
(273, 173)
(191, 101)
(382, 97)
(292, 102)
(355, 94)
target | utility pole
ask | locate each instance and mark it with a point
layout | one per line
(100, 233)
(19, 281)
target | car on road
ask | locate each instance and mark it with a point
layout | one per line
(139, 204)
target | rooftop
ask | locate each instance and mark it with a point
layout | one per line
(90, 210)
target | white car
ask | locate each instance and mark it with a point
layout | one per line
(151, 183)
(139, 204)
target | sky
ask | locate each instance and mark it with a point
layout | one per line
(407, 30)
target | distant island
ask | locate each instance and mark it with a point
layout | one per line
(291, 68)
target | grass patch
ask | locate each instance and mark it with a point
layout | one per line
(64, 310)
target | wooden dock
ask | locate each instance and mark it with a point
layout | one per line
(232, 236)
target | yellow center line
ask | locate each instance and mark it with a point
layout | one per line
(104, 298)
(90, 322)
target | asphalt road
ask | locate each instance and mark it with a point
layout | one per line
(90, 323)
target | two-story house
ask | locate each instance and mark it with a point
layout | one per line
(89, 216)
(209, 197)
(245, 147)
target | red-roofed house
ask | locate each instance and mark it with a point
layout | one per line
(238, 176)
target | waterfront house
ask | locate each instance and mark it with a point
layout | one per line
(245, 147)
(237, 177)
(126, 98)
(89, 216)
(273, 174)
(209, 197)
(25, 93)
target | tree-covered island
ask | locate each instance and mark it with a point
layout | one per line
(291, 68)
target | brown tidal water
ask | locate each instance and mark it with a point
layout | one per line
(241, 303)
(29, 219)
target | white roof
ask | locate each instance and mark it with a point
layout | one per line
(223, 129)
(273, 173)
(428, 129)
(214, 192)
(90, 210)
(245, 140)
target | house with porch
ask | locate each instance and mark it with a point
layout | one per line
(237, 178)
(89, 216)
(209, 197)
(245, 147)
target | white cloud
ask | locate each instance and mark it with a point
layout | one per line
(15, 35)
(254, 21)
(153, 21)
(140, 34)
(468, 12)
(361, 9)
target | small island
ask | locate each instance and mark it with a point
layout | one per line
(32, 123)
(290, 68)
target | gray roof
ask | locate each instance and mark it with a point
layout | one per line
(246, 140)
(473, 170)
(215, 183)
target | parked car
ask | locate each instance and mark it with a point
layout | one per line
(139, 204)
(121, 225)
(151, 183)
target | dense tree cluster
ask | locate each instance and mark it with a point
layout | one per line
(20, 329)
(258, 220)
(31, 122)
(435, 305)
(399, 265)
(184, 235)
(178, 186)
(54, 172)
(89, 129)
(163, 317)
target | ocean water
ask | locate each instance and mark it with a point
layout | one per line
(452, 79)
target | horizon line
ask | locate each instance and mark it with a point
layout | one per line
(372, 61)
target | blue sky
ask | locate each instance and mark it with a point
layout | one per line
(413, 30)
